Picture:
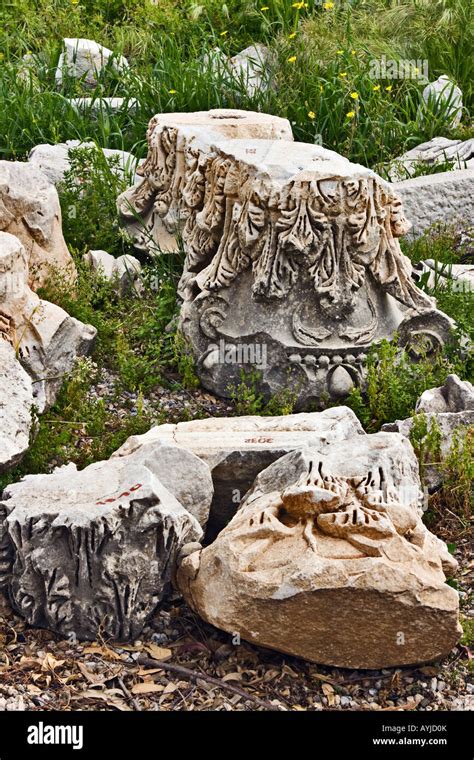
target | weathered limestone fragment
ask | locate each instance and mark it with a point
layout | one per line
(155, 211)
(443, 97)
(248, 71)
(46, 339)
(455, 395)
(439, 150)
(93, 551)
(85, 60)
(54, 160)
(95, 106)
(29, 209)
(328, 559)
(16, 401)
(250, 68)
(124, 271)
(445, 198)
(236, 449)
(456, 277)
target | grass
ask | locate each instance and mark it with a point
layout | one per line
(319, 57)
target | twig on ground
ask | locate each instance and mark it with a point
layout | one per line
(195, 676)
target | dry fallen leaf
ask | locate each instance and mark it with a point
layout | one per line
(50, 662)
(158, 653)
(106, 696)
(327, 689)
(147, 688)
(232, 677)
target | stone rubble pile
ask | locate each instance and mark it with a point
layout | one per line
(301, 533)
(325, 557)
(30, 210)
(236, 449)
(46, 339)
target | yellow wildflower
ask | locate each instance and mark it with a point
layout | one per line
(355, 95)
(350, 114)
(172, 92)
(353, 52)
(340, 52)
(376, 87)
(389, 88)
(223, 34)
(311, 114)
(298, 5)
(290, 36)
(343, 74)
(328, 6)
(292, 59)
(264, 8)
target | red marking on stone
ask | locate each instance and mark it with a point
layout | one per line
(115, 498)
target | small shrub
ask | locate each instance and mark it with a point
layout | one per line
(248, 398)
(394, 383)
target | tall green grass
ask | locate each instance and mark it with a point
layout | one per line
(321, 54)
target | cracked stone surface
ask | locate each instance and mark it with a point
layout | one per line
(446, 198)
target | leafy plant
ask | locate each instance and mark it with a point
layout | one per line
(248, 398)
(88, 197)
(395, 381)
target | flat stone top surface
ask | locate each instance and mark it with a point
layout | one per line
(326, 420)
(252, 432)
(231, 122)
(283, 160)
(81, 495)
(428, 180)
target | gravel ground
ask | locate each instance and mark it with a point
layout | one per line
(181, 663)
